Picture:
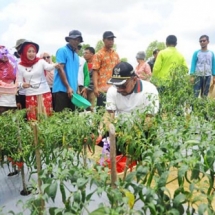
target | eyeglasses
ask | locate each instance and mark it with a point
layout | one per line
(46, 57)
(202, 41)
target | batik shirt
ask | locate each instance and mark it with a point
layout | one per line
(104, 61)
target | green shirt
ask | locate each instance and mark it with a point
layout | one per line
(167, 60)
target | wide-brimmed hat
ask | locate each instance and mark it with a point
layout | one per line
(121, 72)
(73, 35)
(19, 43)
(27, 43)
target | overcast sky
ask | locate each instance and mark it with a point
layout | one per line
(135, 23)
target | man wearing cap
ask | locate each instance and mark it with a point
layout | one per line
(103, 63)
(127, 97)
(66, 78)
(128, 93)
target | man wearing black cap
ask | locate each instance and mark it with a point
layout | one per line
(66, 78)
(128, 93)
(103, 63)
(128, 97)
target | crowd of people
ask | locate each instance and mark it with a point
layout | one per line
(44, 86)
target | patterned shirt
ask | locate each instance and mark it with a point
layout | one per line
(104, 61)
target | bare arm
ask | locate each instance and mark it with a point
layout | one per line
(95, 82)
(63, 78)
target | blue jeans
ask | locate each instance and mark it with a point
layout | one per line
(202, 83)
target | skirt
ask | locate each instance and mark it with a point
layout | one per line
(37, 105)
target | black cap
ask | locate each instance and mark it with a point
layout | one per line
(73, 35)
(108, 34)
(121, 72)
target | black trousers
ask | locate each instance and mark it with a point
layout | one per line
(62, 101)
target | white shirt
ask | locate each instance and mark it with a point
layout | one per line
(35, 75)
(8, 100)
(81, 71)
(146, 100)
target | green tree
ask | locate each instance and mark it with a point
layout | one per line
(124, 59)
(81, 52)
(53, 59)
(99, 45)
(152, 46)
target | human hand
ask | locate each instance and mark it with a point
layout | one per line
(96, 92)
(26, 85)
(57, 65)
(84, 92)
(19, 106)
(69, 92)
(213, 79)
(192, 79)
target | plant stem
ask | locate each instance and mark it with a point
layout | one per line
(112, 135)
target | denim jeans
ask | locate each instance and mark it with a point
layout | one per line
(202, 83)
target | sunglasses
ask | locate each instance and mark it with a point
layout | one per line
(202, 41)
(46, 57)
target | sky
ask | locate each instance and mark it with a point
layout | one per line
(136, 23)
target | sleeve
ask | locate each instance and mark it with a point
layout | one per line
(61, 55)
(47, 66)
(152, 101)
(86, 75)
(193, 63)
(19, 77)
(111, 99)
(96, 61)
(147, 69)
(213, 64)
(157, 65)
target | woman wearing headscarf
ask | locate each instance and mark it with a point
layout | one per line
(143, 69)
(31, 76)
(8, 70)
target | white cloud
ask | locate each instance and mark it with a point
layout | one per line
(135, 23)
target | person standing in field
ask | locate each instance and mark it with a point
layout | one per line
(202, 68)
(66, 78)
(50, 74)
(8, 69)
(83, 75)
(152, 60)
(20, 97)
(103, 64)
(167, 60)
(32, 78)
(88, 56)
(142, 70)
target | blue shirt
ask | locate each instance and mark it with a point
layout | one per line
(70, 59)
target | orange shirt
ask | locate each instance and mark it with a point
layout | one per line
(104, 61)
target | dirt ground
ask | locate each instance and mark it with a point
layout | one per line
(172, 178)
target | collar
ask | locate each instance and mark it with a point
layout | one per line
(70, 47)
(138, 86)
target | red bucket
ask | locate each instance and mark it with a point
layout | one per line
(120, 163)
